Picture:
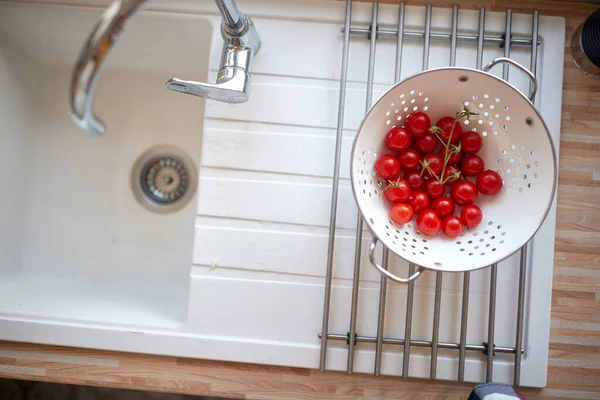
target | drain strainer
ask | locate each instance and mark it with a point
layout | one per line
(164, 179)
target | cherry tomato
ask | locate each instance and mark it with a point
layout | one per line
(445, 124)
(471, 142)
(472, 165)
(455, 155)
(434, 189)
(443, 207)
(409, 160)
(432, 165)
(387, 167)
(429, 223)
(419, 201)
(451, 174)
(398, 139)
(464, 192)
(402, 213)
(415, 180)
(471, 215)
(489, 182)
(418, 123)
(452, 226)
(397, 191)
(426, 144)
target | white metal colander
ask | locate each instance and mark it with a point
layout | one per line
(516, 144)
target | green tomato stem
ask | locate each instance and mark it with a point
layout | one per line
(465, 113)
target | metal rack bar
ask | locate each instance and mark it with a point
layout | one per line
(525, 250)
(463, 327)
(439, 276)
(399, 43)
(464, 319)
(489, 374)
(494, 270)
(520, 315)
(411, 267)
(453, 36)
(421, 343)
(427, 38)
(462, 37)
(535, 29)
(381, 314)
(372, 46)
(435, 336)
(410, 292)
(508, 34)
(359, 224)
(335, 188)
(480, 38)
(386, 252)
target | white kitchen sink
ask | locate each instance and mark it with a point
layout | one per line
(75, 244)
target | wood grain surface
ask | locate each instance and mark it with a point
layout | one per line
(574, 359)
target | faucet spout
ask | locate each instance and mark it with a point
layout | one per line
(230, 13)
(91, 60)
(241, 42)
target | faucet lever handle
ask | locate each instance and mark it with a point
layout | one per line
(233, 86)
(233, 80)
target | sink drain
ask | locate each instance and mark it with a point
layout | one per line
(164, 179)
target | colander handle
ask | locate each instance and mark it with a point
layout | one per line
(387, 273)
(530, 75)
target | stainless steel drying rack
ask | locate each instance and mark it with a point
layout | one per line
(373, 33)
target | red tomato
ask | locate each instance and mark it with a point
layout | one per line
(426, 144)
(464, 192)
(445, 124)
(418, 123)
(397, 191)
(472, 165)
(434, 189)
(455, 155)
(432, 165)
(402, 213)
(409, 160)
(415, 180)
(387, 167)
(452, 226)
(429, 223)
(489, 182)
(443, 207)
(451, 174)
(419, 201)
(471, 142)
(398, 139)
(471, 215)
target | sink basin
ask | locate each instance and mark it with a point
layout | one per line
(75, 243)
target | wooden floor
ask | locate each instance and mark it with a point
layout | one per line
(574, 362)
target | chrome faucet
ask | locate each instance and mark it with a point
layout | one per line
(241, 42)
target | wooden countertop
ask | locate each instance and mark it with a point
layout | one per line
(574, 360)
